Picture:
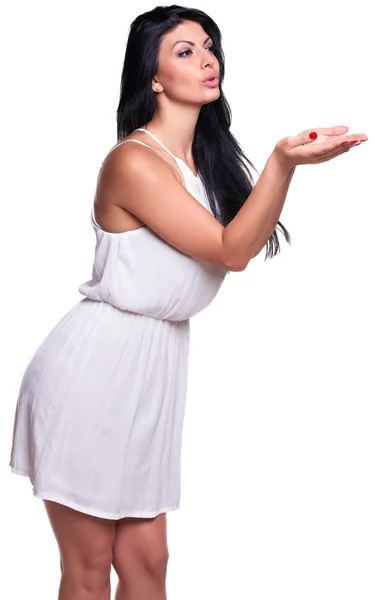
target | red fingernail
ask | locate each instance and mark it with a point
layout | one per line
(313, 135)
(344, 143)
(354, 141)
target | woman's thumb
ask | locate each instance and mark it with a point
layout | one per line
(304, 137)
(310, 136)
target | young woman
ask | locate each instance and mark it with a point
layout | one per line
(98, 424)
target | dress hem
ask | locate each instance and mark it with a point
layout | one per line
(52, 496)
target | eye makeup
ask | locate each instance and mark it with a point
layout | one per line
(183, 52)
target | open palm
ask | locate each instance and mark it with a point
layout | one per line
(330, 142)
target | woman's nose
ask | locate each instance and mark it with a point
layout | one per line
(208, 60)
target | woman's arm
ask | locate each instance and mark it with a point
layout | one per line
(249, 231)
(140, 181)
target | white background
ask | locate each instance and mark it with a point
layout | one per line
(278, 471)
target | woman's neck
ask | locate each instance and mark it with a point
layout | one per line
(175, 129)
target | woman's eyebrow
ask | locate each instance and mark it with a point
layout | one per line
(191, 43)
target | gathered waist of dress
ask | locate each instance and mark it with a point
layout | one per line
(136, 313)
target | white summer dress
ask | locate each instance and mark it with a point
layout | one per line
(99, 417)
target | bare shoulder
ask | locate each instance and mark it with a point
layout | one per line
(110, 211)
(129, 151)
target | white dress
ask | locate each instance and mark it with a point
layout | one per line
(99, 417)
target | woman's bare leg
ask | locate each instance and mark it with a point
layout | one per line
(140, 558)
(86, 552)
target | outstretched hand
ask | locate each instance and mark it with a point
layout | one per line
(316, 145)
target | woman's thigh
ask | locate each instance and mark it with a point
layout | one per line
(85, 543)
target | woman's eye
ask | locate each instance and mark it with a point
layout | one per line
(184, 53)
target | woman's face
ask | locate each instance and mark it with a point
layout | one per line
(186, 59)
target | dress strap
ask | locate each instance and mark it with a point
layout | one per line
(156, 140)
(124, 142)
(178, 161)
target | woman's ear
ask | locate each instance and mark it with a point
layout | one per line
(156, 86)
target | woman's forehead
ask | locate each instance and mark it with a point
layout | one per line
(188, 30)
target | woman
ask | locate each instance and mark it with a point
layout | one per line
(98, 425)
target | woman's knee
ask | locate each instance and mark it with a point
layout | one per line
(141, 548)
(152, 560)
(155, 561)
(90, 572)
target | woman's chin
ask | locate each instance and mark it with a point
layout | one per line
(211, 95)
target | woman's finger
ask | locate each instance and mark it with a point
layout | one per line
(335, 130)
(360, 137)
(331, 155)
(330, 146)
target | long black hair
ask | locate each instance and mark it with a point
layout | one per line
(222, 165)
